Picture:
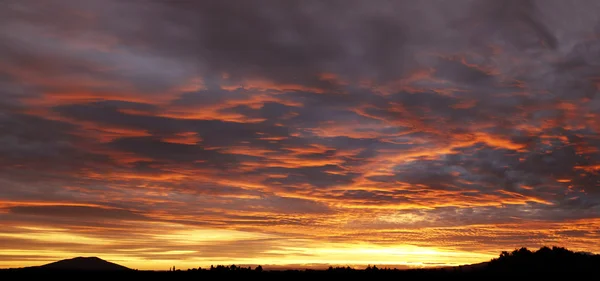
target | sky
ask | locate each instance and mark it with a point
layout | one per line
(297, 133)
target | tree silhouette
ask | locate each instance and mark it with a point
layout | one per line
(555, 259)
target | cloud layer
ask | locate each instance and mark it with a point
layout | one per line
(297, 132)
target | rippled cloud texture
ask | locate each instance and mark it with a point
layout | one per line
(190, 133)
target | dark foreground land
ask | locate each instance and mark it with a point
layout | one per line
(522, 264)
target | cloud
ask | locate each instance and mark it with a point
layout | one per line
(81, 212)
(449, 125)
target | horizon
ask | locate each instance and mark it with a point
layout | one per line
(346, 132)
(424, 261)
(316, 266)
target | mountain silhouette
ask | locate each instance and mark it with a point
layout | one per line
(83, 264)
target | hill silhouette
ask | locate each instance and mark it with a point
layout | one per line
(83, 264)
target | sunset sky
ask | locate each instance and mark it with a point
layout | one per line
(297, 133)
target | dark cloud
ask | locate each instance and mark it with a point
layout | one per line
(515, 22)
(165, 151)
(79, 212)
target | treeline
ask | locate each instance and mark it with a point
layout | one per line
(224, 268)
(555, 259)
